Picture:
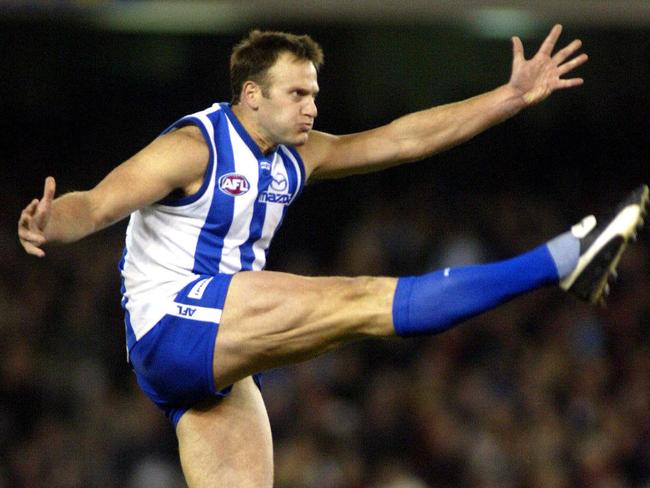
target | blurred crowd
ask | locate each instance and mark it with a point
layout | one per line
(542, 392)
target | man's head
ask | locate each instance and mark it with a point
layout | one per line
(253, 57)
(274, 82)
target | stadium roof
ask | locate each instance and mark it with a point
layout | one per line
(491, 18)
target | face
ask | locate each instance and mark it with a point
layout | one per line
(287, 109)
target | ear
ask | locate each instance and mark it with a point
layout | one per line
(250, 94)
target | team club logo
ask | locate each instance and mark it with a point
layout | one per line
(234, 184)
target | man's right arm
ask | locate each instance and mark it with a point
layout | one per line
(174, 161)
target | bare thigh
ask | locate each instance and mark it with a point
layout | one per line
(227, 442)
(273, 319)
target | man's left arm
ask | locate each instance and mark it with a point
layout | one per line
(421, 134)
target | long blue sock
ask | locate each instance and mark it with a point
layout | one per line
(435, 302)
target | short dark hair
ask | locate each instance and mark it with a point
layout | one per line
(254, 55)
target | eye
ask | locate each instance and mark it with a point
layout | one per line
(300, 93)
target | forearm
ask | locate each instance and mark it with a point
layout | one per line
(72, 218)
(421, 134)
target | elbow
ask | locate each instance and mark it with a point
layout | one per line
(100, 219)
(409, 145)
(410, 150)
(416, 142)
(99, 214)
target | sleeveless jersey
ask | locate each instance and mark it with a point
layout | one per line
(225, 227)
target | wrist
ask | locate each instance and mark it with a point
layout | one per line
(512, 99)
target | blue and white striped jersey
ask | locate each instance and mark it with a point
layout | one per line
(226, 227)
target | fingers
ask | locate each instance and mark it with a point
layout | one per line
(42, 213)
(33, 250)
(517, 49)
(48, 196)
(571, 65)
(49, 189)
(564, 53)
(559, 59)
(570, 83)
(539, 76)
(30, 240)
(549, 43)
(27, 215)
(29, 209)
(33, 220)
(547, 47)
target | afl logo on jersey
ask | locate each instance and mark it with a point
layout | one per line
(234, 184)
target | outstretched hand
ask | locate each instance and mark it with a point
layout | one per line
(538, 77)
(34, 219)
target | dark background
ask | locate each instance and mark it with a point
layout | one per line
(77, 98)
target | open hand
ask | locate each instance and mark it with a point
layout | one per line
(538, 77)
(34, 219)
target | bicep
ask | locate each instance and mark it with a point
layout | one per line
(172, 161)
(330, 156)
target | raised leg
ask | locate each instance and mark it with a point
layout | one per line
(273, 319)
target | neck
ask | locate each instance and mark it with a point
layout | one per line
(252, 128)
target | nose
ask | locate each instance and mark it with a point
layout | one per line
(310, 108)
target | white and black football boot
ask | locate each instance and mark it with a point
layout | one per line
(601, 247)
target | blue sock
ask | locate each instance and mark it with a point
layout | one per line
(435, 302)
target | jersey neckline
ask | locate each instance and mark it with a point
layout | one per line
(246, 137)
